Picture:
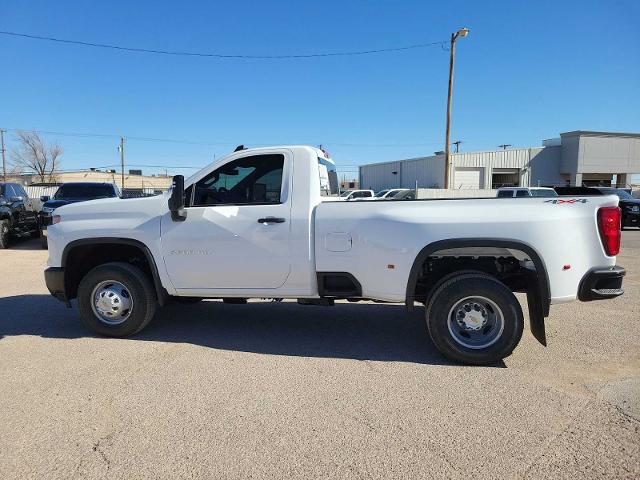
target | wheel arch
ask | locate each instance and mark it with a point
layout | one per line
(130, 243)
(538, 298)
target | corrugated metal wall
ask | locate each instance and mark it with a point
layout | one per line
(502, 159)
(428, 171)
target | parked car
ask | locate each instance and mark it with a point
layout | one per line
(629, 205)
(249, 225)
(405, 194)
(510, 192)
(356, 194)
(72, 192)
(18, 218)
(387, 194)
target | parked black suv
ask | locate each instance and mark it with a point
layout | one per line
(72, 193)
(629, 205)
(18, 218)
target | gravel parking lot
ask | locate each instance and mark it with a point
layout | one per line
(277, 390)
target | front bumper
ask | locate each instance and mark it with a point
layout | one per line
(601, 284)
(54, 278)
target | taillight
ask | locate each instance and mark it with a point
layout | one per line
(56, 219)
(609, 225)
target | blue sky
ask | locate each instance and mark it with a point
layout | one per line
(527, 71)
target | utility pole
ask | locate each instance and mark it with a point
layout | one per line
(463, 32)
(504, 146)
(457, 144)
(121, 149)
(4, 160)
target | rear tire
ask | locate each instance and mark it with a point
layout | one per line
(474, 318)
(4, 234)
(116, 300)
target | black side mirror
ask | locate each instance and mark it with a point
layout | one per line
(176, 200)
(44, 198)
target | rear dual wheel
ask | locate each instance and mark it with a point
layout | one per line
(474, 318)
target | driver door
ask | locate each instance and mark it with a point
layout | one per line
(236, 234)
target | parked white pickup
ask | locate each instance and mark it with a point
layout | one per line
(254, 225)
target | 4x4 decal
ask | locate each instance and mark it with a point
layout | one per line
(559, 201)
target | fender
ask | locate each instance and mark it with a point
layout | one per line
(538, 298)
(161, 293)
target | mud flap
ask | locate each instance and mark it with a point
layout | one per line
(536, 315)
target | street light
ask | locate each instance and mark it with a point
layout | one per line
(463, 32)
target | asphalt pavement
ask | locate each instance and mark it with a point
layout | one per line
(278, 390)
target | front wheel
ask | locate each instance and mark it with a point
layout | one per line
(4, 234)
(474, 318)
(116, 299)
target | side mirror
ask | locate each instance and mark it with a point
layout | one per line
(176, 200)
(17, 199)
(44, 198)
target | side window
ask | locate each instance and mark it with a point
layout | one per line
(255, 180)
(522, 193)
(505, 194)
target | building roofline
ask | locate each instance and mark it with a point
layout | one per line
(592, 133)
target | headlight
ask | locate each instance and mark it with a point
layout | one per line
(634, 208)
(56, 219)
(47, 209)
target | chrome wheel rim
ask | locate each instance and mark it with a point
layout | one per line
(475, 322)
(111, 302)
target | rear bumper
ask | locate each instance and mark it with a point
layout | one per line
(601, 284)
(54, 278)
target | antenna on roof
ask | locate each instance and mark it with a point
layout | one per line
(240, 148)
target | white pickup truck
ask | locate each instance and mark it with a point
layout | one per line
(255, 225)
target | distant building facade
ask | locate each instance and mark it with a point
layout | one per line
(134, 183)
(575, 158)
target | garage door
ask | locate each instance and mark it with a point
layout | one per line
(469, 178)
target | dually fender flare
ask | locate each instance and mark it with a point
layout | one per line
(161, 292)
(538, 299)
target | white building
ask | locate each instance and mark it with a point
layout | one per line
(576, 158)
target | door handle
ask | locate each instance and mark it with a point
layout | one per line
(271, 220)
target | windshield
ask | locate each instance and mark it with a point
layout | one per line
(623, 194)
(381, 193)
(543, 192)
(345, 193)
(73, 192)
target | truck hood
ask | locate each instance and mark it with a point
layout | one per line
(55, 203)
(113, 207)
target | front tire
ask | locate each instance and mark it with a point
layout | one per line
(474, 318)
(4, 234)
(116, 300)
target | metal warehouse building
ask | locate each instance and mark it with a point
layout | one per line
(576, 158)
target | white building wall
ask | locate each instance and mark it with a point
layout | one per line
(428, 171)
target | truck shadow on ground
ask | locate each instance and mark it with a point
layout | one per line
(381, 332)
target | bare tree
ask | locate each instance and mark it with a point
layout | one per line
(35, 156)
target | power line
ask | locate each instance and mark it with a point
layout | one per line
(441, 43)
(214, 144)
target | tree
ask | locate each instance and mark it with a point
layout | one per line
(35, 156)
